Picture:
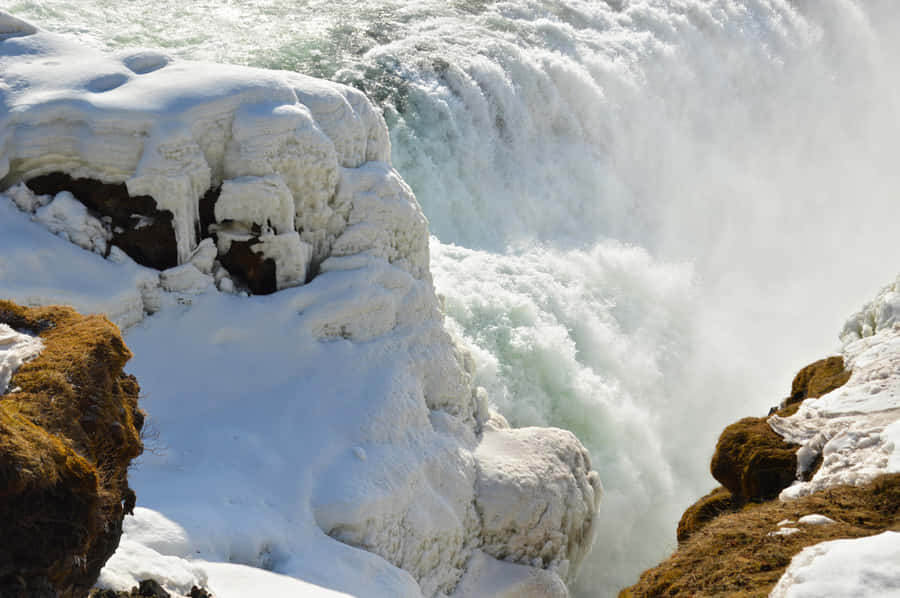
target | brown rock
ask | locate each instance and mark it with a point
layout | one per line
(67, 438)
(753, 462)
(815, 380)
(716, 503)
(140, 229)
(250, 268)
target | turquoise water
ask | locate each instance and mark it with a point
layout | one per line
(647, 214)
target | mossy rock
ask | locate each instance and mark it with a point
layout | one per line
(716, 503)
(734, 555)
(752, 461)
(67, 437)
(815, 380)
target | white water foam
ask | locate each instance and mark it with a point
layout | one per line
(661, 208)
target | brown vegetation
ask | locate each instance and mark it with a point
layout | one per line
(724, 544)
(752, 461)
(735, 556)
(813, 381)
(717, 502)
(67, 436)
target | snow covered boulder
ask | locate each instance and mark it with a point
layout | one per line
(69, 428)
(342, 446)
(536, 497)
(281, 170)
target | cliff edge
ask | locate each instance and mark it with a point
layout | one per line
(69, 429)
(810, 499)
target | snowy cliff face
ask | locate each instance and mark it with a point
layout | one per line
(336, 409)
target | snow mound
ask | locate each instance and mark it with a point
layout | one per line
(324, 439)
(857, 568)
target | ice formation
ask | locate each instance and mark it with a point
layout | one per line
(339, 408)
(880, 314)
(856, 428)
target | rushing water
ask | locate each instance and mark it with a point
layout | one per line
(647, 213)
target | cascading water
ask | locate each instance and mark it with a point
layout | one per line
(647, 213)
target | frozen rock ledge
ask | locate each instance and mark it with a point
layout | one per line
(331, 433)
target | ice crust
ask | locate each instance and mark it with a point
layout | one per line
(341, 409)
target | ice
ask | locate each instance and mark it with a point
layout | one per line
(15, 349)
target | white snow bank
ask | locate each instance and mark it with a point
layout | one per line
(329, 433)
(15, 349)
(857, 568)
(37, 268)
(153, 547)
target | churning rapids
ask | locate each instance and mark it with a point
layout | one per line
(647, 214)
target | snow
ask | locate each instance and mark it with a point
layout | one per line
(324, 440)
(15, 349)
(815, 519)
(879, 314)
(68, 218)
(37, 268)
(857, 568)
(855, 427)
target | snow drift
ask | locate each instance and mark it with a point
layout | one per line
(339, 408)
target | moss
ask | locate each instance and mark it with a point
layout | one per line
(67, 437)
(813, 381)
(703, 511)
(734, 556)
(752, 461)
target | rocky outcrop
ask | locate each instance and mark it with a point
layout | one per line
(69, 429)
(768, 508)
(753, 462)
(136, 224)
(743, 554)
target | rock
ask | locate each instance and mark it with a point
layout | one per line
(716, 503)
(752, 461)
(744, 553)
(151, 589)
(144, 232)
(815, 380)
(247, 265)
(67, 437)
